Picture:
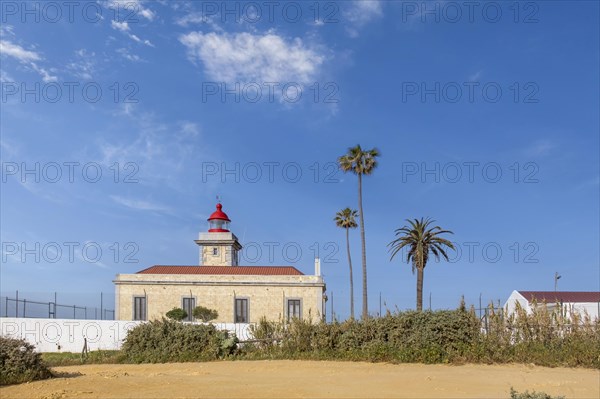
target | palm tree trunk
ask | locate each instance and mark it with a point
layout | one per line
(419, 289)
(351, 279)
(365, 305)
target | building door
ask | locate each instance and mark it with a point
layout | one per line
(241, 310)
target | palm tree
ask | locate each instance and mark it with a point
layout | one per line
(346, 218)
(421, 239)
(361, 163)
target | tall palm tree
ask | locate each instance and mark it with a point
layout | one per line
(361, 162)
(421, 239)
(346, 218)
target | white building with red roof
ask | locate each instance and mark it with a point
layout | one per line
(580, 302)
(240, 294)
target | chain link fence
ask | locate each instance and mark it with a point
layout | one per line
(86, 306)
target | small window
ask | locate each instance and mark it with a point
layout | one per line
(293, 309)
(241, 311)
(139, 308)
(188, 304)
(215, 251)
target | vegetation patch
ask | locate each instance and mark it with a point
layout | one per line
(161, 341)
(533, 395)
(93, 357)
(457, 336)
(20, 363)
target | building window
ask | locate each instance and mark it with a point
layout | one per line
(215, 251)
(139, 308)
(241, 310)
(294, 309)
(188, 304)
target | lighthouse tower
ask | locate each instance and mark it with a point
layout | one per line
(219, 246)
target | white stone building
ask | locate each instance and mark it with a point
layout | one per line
(580, 302)
(240, 294)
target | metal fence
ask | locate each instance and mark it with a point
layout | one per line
(35, 307)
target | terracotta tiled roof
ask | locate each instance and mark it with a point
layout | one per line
(224, 270)
(561, 296)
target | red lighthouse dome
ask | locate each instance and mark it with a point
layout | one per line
(218, 222)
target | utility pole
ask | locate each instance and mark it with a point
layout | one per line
(556, 278)
(332, 313)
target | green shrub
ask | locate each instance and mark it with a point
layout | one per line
(446, 336)
(20, 363)
(177, 314)
(205, 314)
(165, 340)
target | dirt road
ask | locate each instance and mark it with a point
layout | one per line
(295, 379)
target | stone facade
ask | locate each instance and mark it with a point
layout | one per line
(267, 295)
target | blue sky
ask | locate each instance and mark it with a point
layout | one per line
(132, 116)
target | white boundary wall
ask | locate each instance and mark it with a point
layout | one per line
(67, 335)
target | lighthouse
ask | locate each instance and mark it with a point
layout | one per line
(218, 246)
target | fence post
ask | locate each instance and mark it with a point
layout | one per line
(74, 312)
(101, 299)
(17, 305)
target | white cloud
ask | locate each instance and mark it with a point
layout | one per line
(18, 52)
(120, 26)
(244, 57)
(127, 55)
(83, 66)
(46, 76)
(124, 28)
(5, 76)
(6, 30)
(197, 18)
(134, 7)
(358, 13)
(26, 57)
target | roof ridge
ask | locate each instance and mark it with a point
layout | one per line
(222, 270)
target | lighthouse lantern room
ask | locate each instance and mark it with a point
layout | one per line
(219, 247)
(218, 222)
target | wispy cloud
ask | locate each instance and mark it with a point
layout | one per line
(540, 148)
(199, 18)
(125, 53)
(83, 66)
(245, 57)
(18, 52)
(161, 152)
(359, 13)
(134, 7)
(475, 76)
(26, 57)
(140, 205)
(125, 29)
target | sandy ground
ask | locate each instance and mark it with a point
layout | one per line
(295, 379)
